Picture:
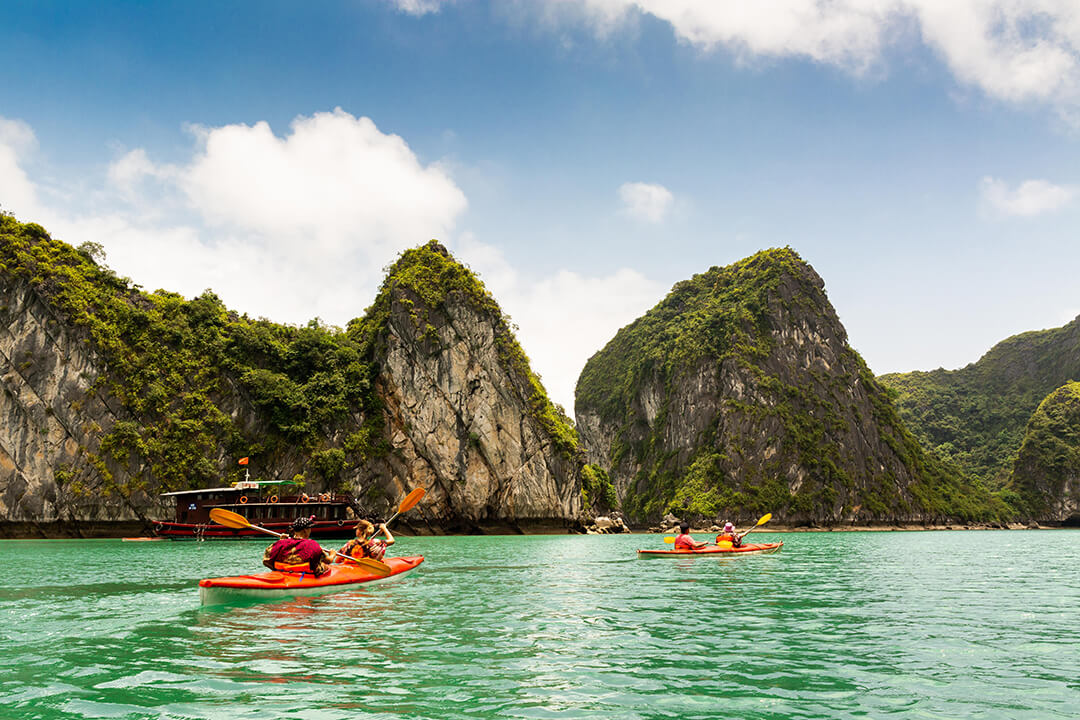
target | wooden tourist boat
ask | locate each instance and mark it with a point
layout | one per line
(272, 504)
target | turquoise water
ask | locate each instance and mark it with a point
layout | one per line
(838, 625)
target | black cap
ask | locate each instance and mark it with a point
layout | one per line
(684, 526)
(303, 523)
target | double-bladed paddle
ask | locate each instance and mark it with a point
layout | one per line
(235, 520)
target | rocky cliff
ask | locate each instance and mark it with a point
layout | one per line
(1046, 471)
(738, 395)
(112, 395)
(465, 415)
(54, 412)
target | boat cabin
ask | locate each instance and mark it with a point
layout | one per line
(272, 504)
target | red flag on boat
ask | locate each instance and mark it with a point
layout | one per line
(243, 461)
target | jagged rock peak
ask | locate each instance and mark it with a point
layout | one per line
(428, 275)
(738, 395)
(466, 415)
(722, 312)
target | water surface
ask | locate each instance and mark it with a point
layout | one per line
(838, 625)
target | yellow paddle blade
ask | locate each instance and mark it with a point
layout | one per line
(411, 499)
(228, 518)
(764, 519)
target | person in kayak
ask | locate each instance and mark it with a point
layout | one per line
(297, 551)
(729, 535)
(364, 545)
(684, 541)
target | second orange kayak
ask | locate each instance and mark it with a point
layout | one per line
(749, 548)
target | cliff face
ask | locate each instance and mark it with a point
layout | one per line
(1046, 472)
(466, 417)
(112, 396)
(739, 395)
(52, 418)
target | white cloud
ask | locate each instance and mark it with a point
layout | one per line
(1013, 50)
(564, 318)
(17, 135)
(1031, 197)
(126, 172)
(336, 181)
(645, 201)
(17, 192)
(283, 227)
(419, 7)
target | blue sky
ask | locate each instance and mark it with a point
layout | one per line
(581, 155)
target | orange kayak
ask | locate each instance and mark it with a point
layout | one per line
(274, 585)
(748, 549)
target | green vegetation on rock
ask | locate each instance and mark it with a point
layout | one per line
(181, 367)
(424, 280)
(596, 488)
(1046, 473)
(717, 314)
(976, 416)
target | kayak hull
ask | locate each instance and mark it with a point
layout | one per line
(748, 549)
(277, 585)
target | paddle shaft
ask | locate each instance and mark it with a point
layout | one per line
(764, 519)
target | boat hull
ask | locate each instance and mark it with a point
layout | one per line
(751, 549)
(278, 585)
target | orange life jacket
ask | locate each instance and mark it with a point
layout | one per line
(286, 567)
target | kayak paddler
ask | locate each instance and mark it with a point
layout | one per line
(729, 535)
(297, 552)
(364, 545)
(684, 541)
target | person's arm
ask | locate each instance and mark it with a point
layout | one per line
(389, 538)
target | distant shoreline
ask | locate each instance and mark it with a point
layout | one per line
(119, 530)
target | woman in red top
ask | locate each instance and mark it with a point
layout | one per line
(297, 549)
(684, 541)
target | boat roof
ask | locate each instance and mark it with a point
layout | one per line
(228, 489)
(201, 490)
